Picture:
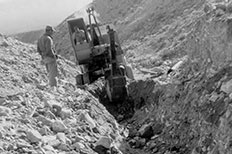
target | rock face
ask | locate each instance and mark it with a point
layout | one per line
(196, 112)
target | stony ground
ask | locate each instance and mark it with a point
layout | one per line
(35, 119)
(179, 104)
(186, 109)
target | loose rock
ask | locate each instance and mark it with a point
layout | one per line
(84, 116)
(227, 87)
(146, 131)
(63, 147)
(44, 130)
(34, 136)
(58, 126)
(61, 137)
(45, 121)
(105, 142)
(78, 146)
(5, 111)
(65, 113)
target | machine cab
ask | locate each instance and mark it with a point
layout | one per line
(81, 45)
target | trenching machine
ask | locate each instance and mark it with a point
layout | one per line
(100, 55)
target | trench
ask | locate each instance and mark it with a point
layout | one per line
(124, 111)
(177, 118)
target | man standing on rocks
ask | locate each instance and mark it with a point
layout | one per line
(48, 54)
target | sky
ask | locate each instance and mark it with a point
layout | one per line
(26, 15)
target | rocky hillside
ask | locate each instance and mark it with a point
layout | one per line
(106, 12)
(29, 37)
(36, 119)
(152, 32)
(180, 102)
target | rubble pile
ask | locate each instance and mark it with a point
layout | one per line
(36, 119)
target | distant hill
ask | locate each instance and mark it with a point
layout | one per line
(29, 37)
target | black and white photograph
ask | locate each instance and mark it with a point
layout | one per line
(115, 76)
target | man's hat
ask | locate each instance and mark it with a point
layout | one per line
(50, 28)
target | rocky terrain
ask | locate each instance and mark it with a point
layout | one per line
(35, 119)
(29, 37)
(180, 102)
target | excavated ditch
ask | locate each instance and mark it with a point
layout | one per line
(120, 110)
(191, 115)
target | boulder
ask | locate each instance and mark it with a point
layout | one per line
(54, 143)
(227, 87)
(84, 116)
(139, 143)
(146, 131)
(5, 111)
(49, 139)
(61, 137)
(56, 109)
(158, 128)
(77, 146)
(63, 147)
(104, 141)
(45, 121)
(65, 113)
(34, 136)
(58, 126)
(44, 130)
(54, 106)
